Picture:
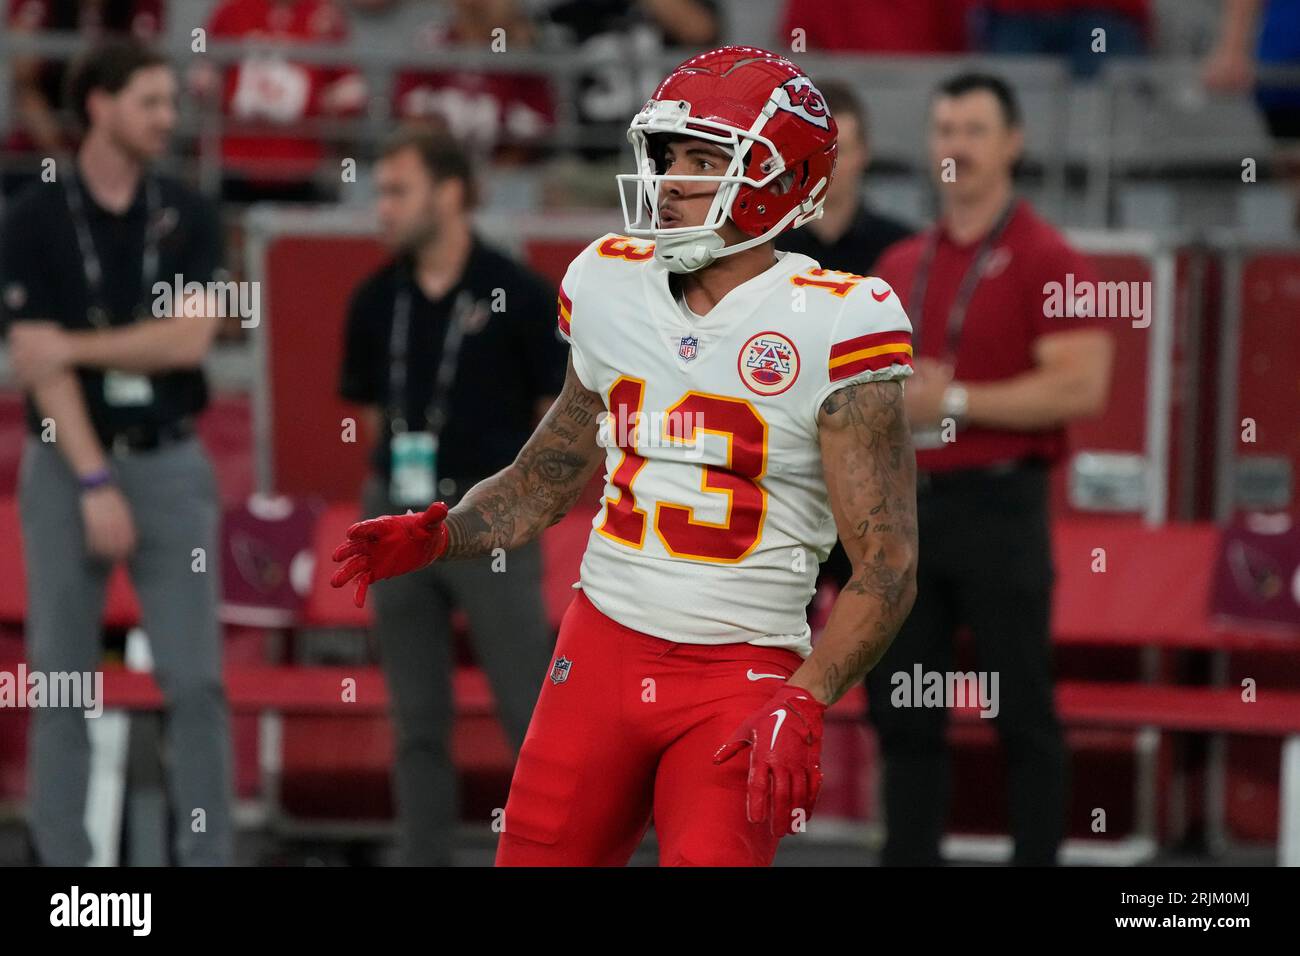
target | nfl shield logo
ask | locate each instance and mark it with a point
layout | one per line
(688, 347)
(560, 670)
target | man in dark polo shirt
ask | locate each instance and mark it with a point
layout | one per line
(451, 348)
(112, 470)
(996, 380)
(850, 235)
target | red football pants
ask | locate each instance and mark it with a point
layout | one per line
(629, 735)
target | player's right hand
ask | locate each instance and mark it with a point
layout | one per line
(390, 545)
(785, 773)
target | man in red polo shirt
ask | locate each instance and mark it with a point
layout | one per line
(997, 378)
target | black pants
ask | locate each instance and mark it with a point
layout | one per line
(512, 642)
(985, 562)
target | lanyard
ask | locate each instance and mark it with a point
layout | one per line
(90, 262)
(965, 291)
(398, 349)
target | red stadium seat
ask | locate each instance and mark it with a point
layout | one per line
(1154, 590)
(336, 739)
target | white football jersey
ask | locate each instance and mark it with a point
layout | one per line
(715, 515)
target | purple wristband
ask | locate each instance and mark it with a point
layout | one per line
(96, 479)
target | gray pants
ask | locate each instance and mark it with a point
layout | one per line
(173, 498)
(413, 625)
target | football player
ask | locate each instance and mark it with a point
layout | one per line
(747, 406)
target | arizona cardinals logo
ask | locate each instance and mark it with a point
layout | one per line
(1255, 572)
(801, 98)
(768, 363)
(257, 563)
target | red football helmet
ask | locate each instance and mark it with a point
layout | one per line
(765, 112)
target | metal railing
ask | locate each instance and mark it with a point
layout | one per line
(1072, 128)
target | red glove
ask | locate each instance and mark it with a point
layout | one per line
(388, 546)
(785, 765)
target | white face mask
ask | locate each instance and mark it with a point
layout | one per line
(688, 248)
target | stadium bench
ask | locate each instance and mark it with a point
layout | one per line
(1126, 606)
(1155, 596)
(1212, 710)
(1155, 591)
(298, 690)
(325, 741)
(320, 690)
(1170, 708)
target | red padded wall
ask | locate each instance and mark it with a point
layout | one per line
(309, 282)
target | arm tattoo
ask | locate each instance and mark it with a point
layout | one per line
(872, 469)
(538, 489)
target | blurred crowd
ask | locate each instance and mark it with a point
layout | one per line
(272, 106)
(276, 110)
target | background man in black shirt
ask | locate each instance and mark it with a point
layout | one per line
(850, 236)
(111, 470)
(451, 348)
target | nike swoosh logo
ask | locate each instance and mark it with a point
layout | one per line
(752, 676)
(780, 719)
(878, 297)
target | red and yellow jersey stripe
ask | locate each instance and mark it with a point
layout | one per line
(566, 312)
(869, 353)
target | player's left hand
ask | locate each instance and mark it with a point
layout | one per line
(785, 761)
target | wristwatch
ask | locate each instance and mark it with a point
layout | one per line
(955, 403)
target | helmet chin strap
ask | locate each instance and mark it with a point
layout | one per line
(692, 251)
(688, 251)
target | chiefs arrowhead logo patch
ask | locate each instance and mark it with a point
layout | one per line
(800, 97)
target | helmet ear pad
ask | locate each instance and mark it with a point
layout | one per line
(758, 209)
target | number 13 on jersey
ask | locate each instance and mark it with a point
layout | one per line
(682, 534)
